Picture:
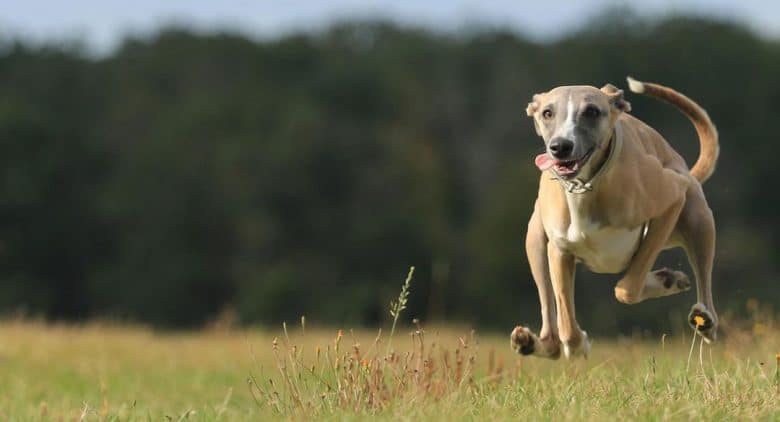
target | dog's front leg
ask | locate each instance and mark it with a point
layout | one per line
(562, 265)
(631, 288)
(523, 340)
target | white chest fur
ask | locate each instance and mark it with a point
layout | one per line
(602, 249)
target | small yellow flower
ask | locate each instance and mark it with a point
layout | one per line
(698, 320)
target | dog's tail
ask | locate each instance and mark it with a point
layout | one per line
(708, 135)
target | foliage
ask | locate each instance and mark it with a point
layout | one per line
(188, 174)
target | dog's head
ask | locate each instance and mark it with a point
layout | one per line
(576, 123)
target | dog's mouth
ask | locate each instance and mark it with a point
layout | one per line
(565, 169)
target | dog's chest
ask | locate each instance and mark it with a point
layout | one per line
(603, 249)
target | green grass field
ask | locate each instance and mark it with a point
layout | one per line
(115, 372)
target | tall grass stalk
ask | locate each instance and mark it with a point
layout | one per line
(399, 305)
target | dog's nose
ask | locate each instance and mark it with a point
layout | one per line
(561, 147)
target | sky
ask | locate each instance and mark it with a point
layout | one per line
(101, 24)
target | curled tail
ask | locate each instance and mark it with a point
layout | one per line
(708, 135)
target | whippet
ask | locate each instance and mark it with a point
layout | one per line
(612, 194)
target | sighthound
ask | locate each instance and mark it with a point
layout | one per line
(613, 194)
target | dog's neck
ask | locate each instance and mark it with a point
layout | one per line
(580, 185)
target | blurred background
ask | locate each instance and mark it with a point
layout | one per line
(173, 163)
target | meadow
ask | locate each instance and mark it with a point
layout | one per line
(103, 371)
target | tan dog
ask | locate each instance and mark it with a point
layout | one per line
(613, 193)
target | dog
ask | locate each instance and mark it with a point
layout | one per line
(612, 194)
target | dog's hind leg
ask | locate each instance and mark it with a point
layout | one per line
(630, 289)
(665, 282)
(696, 229)
(523, 340)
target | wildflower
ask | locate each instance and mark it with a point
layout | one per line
(698, 320)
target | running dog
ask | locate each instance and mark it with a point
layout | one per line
(612, 194)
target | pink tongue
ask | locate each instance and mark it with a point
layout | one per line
(543, 161)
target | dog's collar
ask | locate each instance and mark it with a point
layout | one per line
(580, 186)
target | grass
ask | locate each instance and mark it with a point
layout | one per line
(112, 372)
(119, 372)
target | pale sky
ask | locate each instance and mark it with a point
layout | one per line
(101, 24)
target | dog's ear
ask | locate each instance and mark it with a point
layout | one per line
(615, 96)
(609, 89)
(533, 106)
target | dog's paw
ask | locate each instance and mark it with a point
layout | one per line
(704, 322)
(673, 281)
(658, 283)
(580, 346)
(523, 341)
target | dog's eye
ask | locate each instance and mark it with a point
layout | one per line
(547, 114)
(591, 111)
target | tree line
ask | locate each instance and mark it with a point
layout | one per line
(187, 174)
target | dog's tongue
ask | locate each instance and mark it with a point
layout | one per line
(543, 161)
